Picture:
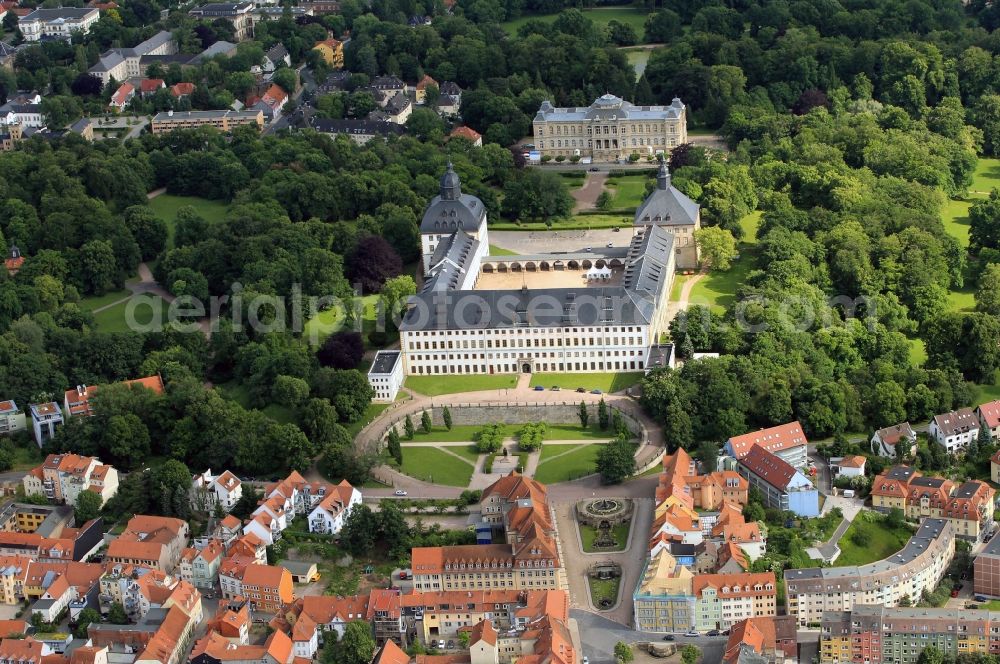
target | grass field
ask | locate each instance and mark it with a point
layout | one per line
(678, 286)
(629, 191)
(588, 534)
(918, 352)
(955, 215)
(606, 382)
(575, 461)
(984, 393)
(500, 251)
(467, 432)
(113, 319)
(638, 58)
(717, 290)
(435, 385)
(575, 223)
(433, 465)
(601, 16)
(882, 543)
(603, 589)
(325, 323)
(238, 392)
(98, 301)
(166, 205)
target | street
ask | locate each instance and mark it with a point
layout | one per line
(599, 636)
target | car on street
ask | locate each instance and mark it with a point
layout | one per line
(714, 632)
(971, 605)
(692, 633)
(539, 388)
(616, 229)
(609, 245)
(581, 390)
(400, 492)
(555, 388)
(980, 598)
(596, 391)
(588, 249)
(954, 592)
(593, 169)
(668, 637)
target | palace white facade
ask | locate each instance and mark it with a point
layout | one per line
(58, 23)
(587, 311)
(610, 129)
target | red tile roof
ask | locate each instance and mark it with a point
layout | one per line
(852, 461)
(768, 467)
(390, 653)
(775, 439)
(182, 89)
(990, 413)
(466, 132)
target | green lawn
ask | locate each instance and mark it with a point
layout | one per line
(955, 215)
(433, 465)
(450, 384)
(113, 319)
(603, 589)
(678, 286)
(749, 225)
(571, 432)
(918, 352)
(325, 323)
(717, 290)
(629, 191)
(984, 393)
(27, 457)
(607, 382)
(634, 16)
(500, 251)
(882, 543)
(580, 460)
(467, 432)
(575, 223)
(98, 301)
(166, 205)
(588, 534)
(962, 299)
(238, 392)
(638, 58)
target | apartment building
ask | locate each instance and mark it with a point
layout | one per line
(986, 569)
(663, 600)
(919, 566)
(968, 506)
(223, 120)
(200, 567)
(724, 599)
(308, 618)
(155, 542)
(240, 14)
(762, 640)
(213, 648)
(444, 614)
(875, 633)
(782, 486)
(955, 430)
(124, 63)
(610, 129)
(63, 477)
(60, 23)
(266, 587)
(162, 636)
(786, 441)
(45, 419)
(208, 491)
(332, 511)
(12, 418)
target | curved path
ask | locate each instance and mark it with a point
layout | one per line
(682, 302)
(586, 196)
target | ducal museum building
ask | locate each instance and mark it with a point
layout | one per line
(610, 129)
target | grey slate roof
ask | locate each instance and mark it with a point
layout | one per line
(383, 363)
(452, 210)
(450, 88)
(59, 13)
(649, 264)
(277, 53)
(356, 127)
(609, 107)
(218, 48)
(957, 421)
(388, 83)
(449, 260)
(993, 548)
(666, 204)
(397, 104)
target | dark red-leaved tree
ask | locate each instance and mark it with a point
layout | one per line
(810, 99)
(342, 350)
(373, 261)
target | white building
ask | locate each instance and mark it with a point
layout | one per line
(58, 23)
(884, 441)
(786, 441)
(848, 466)
(22, 114)
(45, 419)
(610, 129)
(386, 375)
(209, 490)
(587, 311)
(12, 418)
(329, 515)
(955, 430)
(125, 63)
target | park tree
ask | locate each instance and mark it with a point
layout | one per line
(360, 531)
(584, 415)
(603, 418)
(393, 446)
(662, 26)
(117, 615)
(615, 461)
(984, 223)
(170, 483)
(356, 646)
(86, 617)
(342, 350)
(930, 655)
(425, 421)
(408, 428)
(536, 194)
(446, 416)
(148, 230)
(717, 246)
(319, 421)
(623, 653)
(87, 507)
(988, 290)
(290, 391)
(372, 262)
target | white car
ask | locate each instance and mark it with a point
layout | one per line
(441, 644)
(400, 492)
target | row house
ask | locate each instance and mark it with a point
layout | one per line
(265, 587)
(763, 640)
(162, 636)
(955, 430)
(786, 441)
(63, 477)
(215, 649)
(919, 566)
(155, 542)
(724, 599)
(57, 587)
(208, 491)
(331, 513)
(200, 567)
(968, 506)
(295, 496)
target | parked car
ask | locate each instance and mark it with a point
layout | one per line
(441, 644)
(403, 576)
(668, 637)
(539, 388)
(954, 592)
(971, 605)
(714, 632)
(588, 249)
(581, 390)
(400, 492)
(980, 598)
(593, 169)
(555, 388)
(616, 229)
(692, 633)
(609, 245)
(596, 391)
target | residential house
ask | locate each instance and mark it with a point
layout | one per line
(12, 418)
(54, 587)
(14, 260)
(765, 639)
(222, 120)
(200, 567)
(336, 81)
(786, 441)
(181, 90)
(232, 621)
(724, 599)
(216, 649)
(995, 467)
(275, 57)
(848, 466)
(884, 441)
(989, 418)
(663, 600)
(208, 491)
(267, 588)
(27, 115)
(679, 482)
(420, 89)
(60, 23)
(389, 86)
(332, 51)
(919, 566)
(310, 617)
(45, 419)
(231, 574)
(240, 14)
(77, 401)
(450, 98)
(331, 513)
(271, 102)
(469, 134)
(782, 486)
(23, 651)
(162, 636)
(151, 541)
(157, 590)
(386, 615)
(150, 86)
(955, 430)
(360, 131)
